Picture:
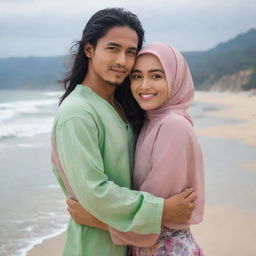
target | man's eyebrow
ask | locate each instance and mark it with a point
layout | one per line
(133, 49)
(113, 44)
(119, 45)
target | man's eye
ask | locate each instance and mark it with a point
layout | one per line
(132, 53)
(114, 49)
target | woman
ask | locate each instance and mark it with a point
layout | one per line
(168, 157)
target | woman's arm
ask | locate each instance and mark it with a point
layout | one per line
(181, 205)
(119, 207)
(176, 164)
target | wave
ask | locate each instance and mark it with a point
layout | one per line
(32, 232)
(10, 110)
(39, 240)
(27, 128)
(53, 186)
(53, 94)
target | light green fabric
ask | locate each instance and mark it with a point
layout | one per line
(95, 148)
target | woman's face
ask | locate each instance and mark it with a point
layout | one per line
(148, 82)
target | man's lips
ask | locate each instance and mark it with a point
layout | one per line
(119, 70)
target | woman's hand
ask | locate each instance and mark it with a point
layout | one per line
(82, 216)
(179, 208)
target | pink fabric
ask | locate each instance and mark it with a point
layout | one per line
(168, 156)
(181, 87)
(56, 162)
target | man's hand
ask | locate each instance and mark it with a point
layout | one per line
(78, 213)
(82, 216)
(178, 208)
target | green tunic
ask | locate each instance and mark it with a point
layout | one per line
(95, 148)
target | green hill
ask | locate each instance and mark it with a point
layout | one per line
(230, 65)
(225, 59)
(31, 72)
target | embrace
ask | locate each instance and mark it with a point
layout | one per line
(123, 146)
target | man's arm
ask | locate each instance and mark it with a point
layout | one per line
(181, 205)
(123, 209)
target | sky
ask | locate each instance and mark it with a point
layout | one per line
(48, 27)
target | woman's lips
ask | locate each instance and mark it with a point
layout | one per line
(146, 97)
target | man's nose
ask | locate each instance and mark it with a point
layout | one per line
(121, 59)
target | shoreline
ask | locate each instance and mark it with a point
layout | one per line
(50, 246)
(224, 231)
(238, 106)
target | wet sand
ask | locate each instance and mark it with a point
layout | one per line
(238, 106)
(224, 232)
(49, 247)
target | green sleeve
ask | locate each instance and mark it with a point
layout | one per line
(77, 141)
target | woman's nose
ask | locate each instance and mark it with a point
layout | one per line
(145, 84)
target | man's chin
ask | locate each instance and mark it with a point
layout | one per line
(116, 84)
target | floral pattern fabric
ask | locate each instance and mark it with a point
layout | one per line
(171, 242)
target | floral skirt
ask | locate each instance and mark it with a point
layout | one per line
(171, 242)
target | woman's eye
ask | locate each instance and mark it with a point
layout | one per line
(156, 76)
(135, 76)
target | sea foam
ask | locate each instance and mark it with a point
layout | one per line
(10, 110)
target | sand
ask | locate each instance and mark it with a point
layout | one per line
(49, 247)
(238, 106)
(224, 231)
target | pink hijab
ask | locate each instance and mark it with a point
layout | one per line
(168, 156)
(181, 87)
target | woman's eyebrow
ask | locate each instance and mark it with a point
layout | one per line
(155, 70)
(135, 71)
(149, 71)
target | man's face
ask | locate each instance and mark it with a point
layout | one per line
(113, 57)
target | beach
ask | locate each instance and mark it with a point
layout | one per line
(52, 246)
(224, 232)
(238, 106)
(227, 229)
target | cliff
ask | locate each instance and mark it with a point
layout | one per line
(228, 66)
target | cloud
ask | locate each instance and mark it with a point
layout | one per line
(47, 27)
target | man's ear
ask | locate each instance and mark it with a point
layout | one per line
(88, 50)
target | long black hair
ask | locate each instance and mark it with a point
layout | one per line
(134, 114)
(97, 27)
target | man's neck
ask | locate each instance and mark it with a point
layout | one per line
(105, 91)
(102, 88)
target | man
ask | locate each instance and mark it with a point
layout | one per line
(93, 143)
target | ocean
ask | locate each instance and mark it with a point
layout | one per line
(32, 205)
